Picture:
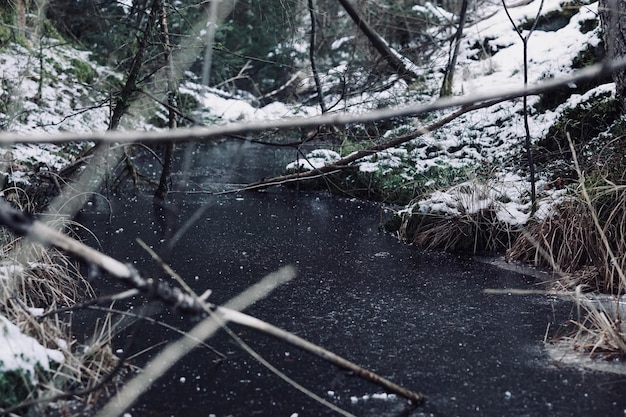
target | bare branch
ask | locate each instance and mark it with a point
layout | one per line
(177, 350)
(343, 162)
(402, 66)
(333, 119)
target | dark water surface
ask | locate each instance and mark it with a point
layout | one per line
(420, 319)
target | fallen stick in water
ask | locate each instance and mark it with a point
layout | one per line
(23, 225)
(262, 326)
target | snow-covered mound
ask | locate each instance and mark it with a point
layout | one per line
(492, 139)
(52, 92)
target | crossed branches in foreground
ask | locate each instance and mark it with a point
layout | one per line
(23, 225)
(184, 301)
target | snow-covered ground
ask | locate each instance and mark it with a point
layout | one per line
(45, 93)
(491, 60)
(19, 352)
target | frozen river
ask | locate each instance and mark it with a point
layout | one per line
(420, 319)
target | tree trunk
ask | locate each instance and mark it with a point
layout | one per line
(446, 87)
(168, 152)
(393, 58)
(613, 19)
(130, 87)
(208, 51)
(316, 76)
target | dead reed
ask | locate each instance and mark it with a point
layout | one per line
(35, 280)
(592, 256)
(468, 220)
(586, 238)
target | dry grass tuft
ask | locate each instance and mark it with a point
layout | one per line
(467, 218)
(35, 279)
(598, 330)
(586, 238)
(570, 240)
(478, 232)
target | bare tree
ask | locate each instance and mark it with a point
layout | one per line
(316, 76)
(528, 143)
(613, 19)
(446, 87)
(398, 63)
(172, 107)
(124, 98)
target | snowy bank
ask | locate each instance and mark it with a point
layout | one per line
(22, 358)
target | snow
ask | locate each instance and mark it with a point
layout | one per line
(506, 196)
(491, 135)
(429, 9)
(483, 137)
(314, 160)
(376, 396)
(8, 270)
(21, 352)
(221, 107)
(49, 103)
(339, 42)
(550, 53)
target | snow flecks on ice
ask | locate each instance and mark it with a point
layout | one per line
(375, 396)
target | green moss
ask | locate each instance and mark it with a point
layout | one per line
(187, 104)
(583, 122)
(5, 34)
(589, 56)
(8, 25)
(349, 146)
(589, 25)
(50, 31)
(85, 74)
(397, 185)
(57, 67)
(15, 387)
(594, 127)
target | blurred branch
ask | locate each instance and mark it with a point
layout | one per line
(23, 225)
(177, 350)
(343, 163)
(332, 119)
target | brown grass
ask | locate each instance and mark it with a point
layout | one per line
(586, 237)
(599, 331)
(468, 231)
(592, 256)
(38, 277)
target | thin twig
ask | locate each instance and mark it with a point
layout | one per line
(175, 351)
(344, 162)
(594, 216)
(21, 224)
(240, 342)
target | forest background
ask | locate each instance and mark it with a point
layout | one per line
(419, 105)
